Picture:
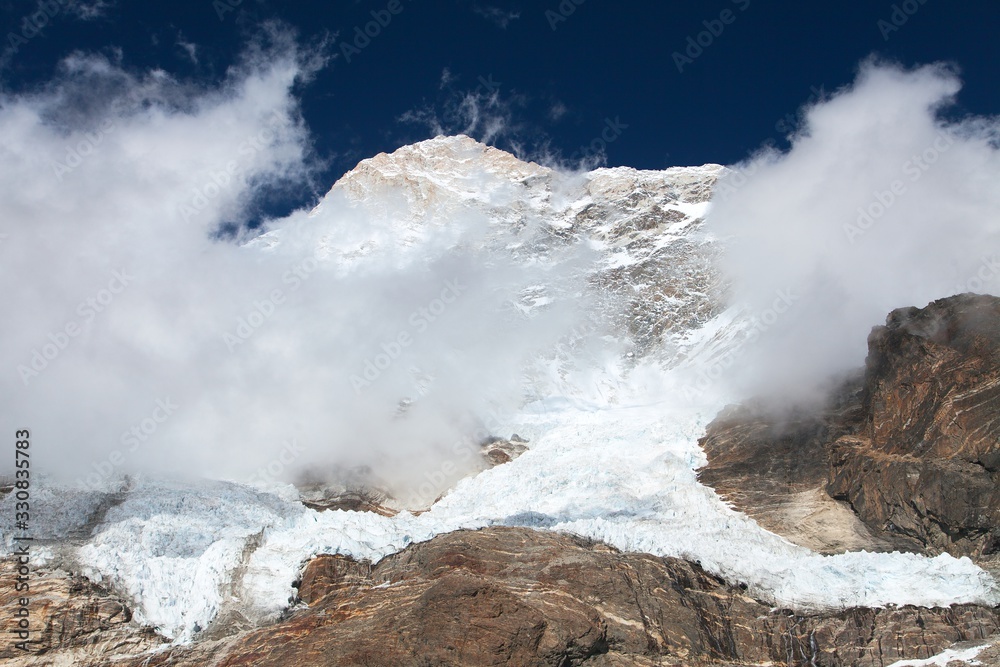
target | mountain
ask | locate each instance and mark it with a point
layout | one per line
(652, 263)
(612, 277)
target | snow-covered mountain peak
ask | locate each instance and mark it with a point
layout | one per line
(449, 171)
(443, 156)
(429, 172)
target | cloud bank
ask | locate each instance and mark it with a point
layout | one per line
(144, 337)
(880, 202)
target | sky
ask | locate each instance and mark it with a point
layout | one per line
(541, 78)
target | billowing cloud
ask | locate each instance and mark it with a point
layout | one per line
(480, 109)
(143, 340)
(880, 202)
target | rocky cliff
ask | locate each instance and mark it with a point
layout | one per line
(925, 461)
(911, 447)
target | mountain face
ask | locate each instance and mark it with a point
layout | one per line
(909, 446)
(602, 445)
(925, 461)
(618, 258)
(651, 268)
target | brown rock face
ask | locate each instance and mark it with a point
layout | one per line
(925, 462)
(914, 450)
(70, 616)
(512, 596)
(944, 505)
(932, 388)
(497, 451)
(775, 470)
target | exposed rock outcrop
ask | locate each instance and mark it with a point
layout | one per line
(775, 469)
(512, 596)
(913, 449)
(68, 617)
(497, 451)
(925, 462)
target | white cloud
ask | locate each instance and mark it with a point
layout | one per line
(98, 165)
(446, 77)
(121, 293)
(88, 11)
(879, 203)
(557, 110)
(482, 110)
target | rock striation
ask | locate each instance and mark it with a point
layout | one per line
(72, 621)
(911, 447)
(925, 461)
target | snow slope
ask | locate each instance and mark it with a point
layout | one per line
(947, 657)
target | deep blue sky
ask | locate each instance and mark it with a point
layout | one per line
(606, 60)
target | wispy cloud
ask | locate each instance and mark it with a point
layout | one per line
(497, 16)
(89, 10)
(190, 49)
(114, 187)
(446, 77)
(480, 108)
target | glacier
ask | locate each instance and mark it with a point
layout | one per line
(625, 475)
